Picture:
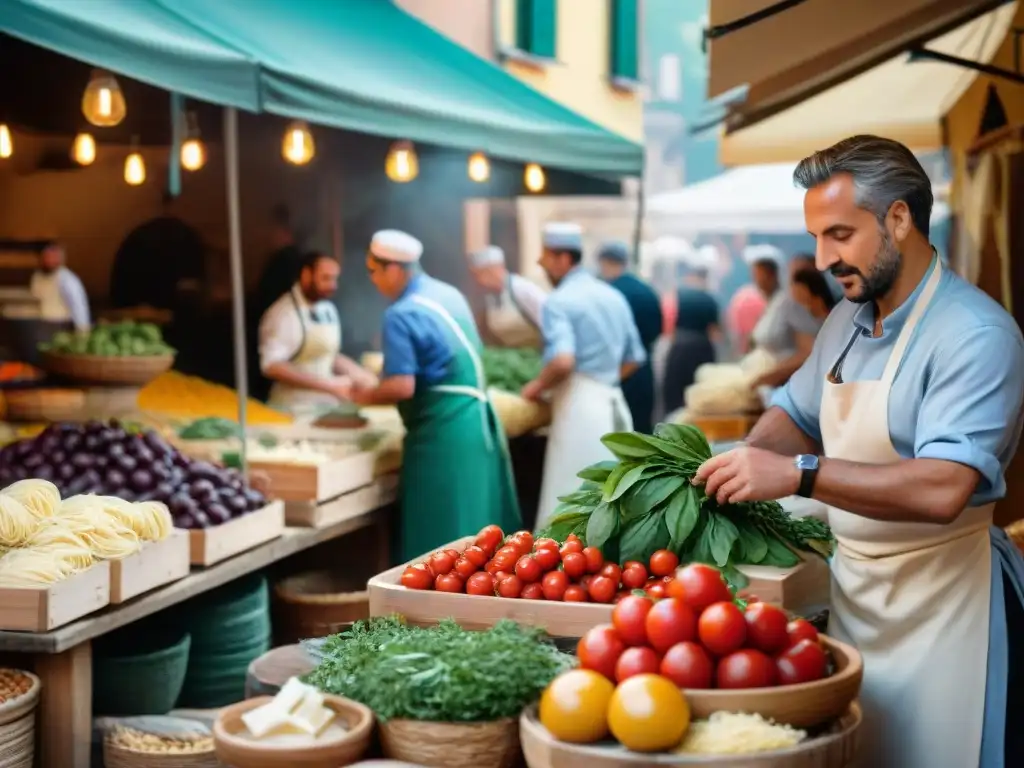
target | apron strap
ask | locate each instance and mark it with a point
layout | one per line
(302, 325)
(515, 302)
(896, 357)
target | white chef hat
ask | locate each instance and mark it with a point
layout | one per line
(753, 254)
(706, 257)
(563, 236)
(676, 248)
(487, 257)
(395, 245)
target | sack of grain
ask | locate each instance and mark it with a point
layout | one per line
(517, 414)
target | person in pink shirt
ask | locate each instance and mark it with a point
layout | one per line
(741, 316)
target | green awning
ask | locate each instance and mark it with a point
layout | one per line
(361, 65)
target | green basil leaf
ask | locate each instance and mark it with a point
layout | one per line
(686, 435)
(559, 527)
(779, 555)
(624, 483)
(681, 516)
(599, 472)
(628, 445)
(737, 580)
(640, 538)
(673, 451)
(603, 525)
(753, 544)
(723, 539)
(653, 491)
(581, 497)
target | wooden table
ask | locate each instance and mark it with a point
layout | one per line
(63, 657)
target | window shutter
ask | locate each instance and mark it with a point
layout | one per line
(624, 39)
(537, 27)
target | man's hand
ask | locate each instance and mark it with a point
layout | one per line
(748, 474)
(533, 391)
(340, 387)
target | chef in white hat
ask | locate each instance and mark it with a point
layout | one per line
(456, 476)
(514, 304)
(300, 342)
(591, 343)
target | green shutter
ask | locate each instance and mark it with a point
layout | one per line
(624, 34)
(537, 27)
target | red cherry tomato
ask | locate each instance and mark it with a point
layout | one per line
(570, 546)
(554, 585)
(622, 594)
(548, 558)
(636, 661)
(528, 569)
(524, 540)
(631, 563)
(464, 567)
(746, 669)
(800, 629)
(664, 562)
(510, 586)
(656, 590)
(574, 593)
(454, 553)
(545, 543)
(602, 589)
(441, 563)
(674, 588)
(506, 557)
(766, 627)
(480, 583)
(585, 580)
(502, 575)
(476, 556)
(629, 617)
(722, 628)
(490, 538)
(595, 560)
(688, 665)
(805, 662)
(670, 622)
(492, 567)
(417, 577)
(634, 576)
(702, 585)
(449, 582)
(532, 591)
(613, 572)
(574, 538)
(575, 565)
(599, 649)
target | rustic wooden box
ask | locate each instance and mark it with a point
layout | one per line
(427, 607)
(310, 514)
(321, 482)
(211, 545)
(156, 564)
(40, 609)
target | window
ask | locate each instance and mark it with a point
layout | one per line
(670, 86)
(536, 27)
(624, 39)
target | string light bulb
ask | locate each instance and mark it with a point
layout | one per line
(103, 102)
(193, 151)
(479, 168)
(134, 169)
(83, 151)
(534, 178)
(298, 147)
(401, 164)
(6, 142)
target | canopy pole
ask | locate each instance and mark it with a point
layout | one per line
(638, 229)
(237, 281)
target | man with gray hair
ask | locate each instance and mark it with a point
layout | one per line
(903, 421)
(514, 304)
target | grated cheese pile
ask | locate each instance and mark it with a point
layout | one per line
(730, 733)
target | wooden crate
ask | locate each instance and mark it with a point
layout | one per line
(40, 609)
(156, 564)
(321, 482)
(426, 607)
(211, 545)
(310, 514)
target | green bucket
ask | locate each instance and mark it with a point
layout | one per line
(140, 683)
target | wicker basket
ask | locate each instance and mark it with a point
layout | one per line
(116, 756)
(98, 369)
(18, 742)
(44, 405)
(494, 744)
(316, 604)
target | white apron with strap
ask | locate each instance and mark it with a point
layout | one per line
(582, 412)
(765, 328)
(45, 288)
(321, 343)
(912, 597)
(509, 323)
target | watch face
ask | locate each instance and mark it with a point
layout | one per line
(807, 462)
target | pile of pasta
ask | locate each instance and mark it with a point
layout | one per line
(45, 539)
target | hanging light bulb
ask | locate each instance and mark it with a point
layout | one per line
(6, 142)
(479, 167)
(134, 169)
(298, 147)
(103, 103)
(401, 164)
(193, 152)
(533, 177)
(83, 151)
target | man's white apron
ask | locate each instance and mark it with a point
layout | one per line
(508, 322)
(912, 597)
(45, 287)
(321, 343)
(582, 412)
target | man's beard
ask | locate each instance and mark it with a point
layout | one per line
(882, 276)
(551, 278)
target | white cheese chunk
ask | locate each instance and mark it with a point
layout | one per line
(265, 720)
(311, 715)
(291, 694)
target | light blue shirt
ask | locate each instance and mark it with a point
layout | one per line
(415, 339)
(958, 392)
(588, 319)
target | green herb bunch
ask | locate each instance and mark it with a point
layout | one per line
(442, 673)
(646, 501)
(510, 369)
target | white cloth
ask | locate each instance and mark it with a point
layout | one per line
(514, 316)
(583, 411)
(289, 333)
(912, 597)
(61, 297)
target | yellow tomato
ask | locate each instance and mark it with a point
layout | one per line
(648, 713)
(574, 707)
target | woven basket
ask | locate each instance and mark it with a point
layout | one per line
(44, 405)
(18, 742)
(316, 604)
(439, 745)
(16, 709)
(116, 756)
(100, 369)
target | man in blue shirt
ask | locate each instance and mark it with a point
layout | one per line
(456, 477)
(912, 397)
(591, 343)
(646, 308)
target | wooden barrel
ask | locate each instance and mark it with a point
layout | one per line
(317, 604)
(274, 668)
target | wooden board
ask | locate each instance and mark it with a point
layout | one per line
(155, 564)
(211, 545)
(321, 482)
(43, 608)
(733, 427)
(793, 588)
(309, 514)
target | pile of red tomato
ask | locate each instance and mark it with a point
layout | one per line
(699, 638)
(520, 567)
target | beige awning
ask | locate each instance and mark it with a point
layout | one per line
(900, 99)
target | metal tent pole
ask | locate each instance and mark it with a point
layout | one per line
(237, 281)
